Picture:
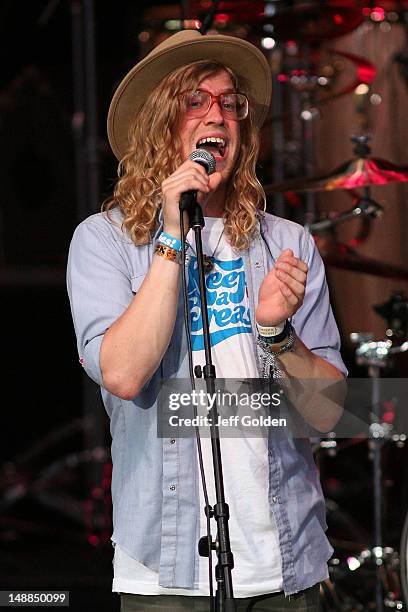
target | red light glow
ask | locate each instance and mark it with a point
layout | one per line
(222, 17)
(377, 14)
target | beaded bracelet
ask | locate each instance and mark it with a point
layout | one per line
(270, 363)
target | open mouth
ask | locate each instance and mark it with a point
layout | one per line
(214, 145)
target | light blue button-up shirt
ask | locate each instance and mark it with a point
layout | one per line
(155, 481)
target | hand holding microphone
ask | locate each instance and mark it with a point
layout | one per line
(190, 183)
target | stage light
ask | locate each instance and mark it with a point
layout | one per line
(268, 27)
(172, 24)
(268, 42)
(353, 563)
(144, 36)
(385, 26)
(270, 10)
(361, 89)
(377, 14)
(375, 99)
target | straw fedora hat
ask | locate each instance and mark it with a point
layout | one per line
(186, 46)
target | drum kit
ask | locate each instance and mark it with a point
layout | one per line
(382, 569)
(366, 573)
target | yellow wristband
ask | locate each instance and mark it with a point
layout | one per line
(166, 252)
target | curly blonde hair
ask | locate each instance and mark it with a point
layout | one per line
(155, 153)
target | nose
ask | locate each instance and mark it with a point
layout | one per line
(214, 114)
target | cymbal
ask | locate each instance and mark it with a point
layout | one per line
(341, 256)
(314, 21)
(357, 172)
(306, 21)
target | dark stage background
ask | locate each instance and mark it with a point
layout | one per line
(54, 455)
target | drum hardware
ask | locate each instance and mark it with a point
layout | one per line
(361, 171)
(308, 21)
(395, 313)
(315, 79)
(399, 440)
(334, 592)
(329, 444)
(377, 357)
(383, 561)
(344, 257)
(365, 207)
(377, 354)
(387, 560)
(53, 486)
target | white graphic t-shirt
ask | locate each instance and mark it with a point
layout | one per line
(253, 533)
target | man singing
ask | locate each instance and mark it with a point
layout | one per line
(268, 303)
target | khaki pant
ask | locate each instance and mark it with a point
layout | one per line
(305, 601)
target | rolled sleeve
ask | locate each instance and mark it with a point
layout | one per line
(314, 321)
(99, 289)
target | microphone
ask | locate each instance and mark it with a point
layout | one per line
(204, 158)
(188, 200)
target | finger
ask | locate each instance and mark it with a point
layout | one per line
(287, 253)
(288, 294)
(189, 183)
(189, 173)
(294, 271)
(298, 288)
(294, 261)
(215, 180)
(190, 165)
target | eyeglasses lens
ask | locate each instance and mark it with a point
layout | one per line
(233, 105)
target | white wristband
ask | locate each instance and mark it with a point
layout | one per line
(271, 331)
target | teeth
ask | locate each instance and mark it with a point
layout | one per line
(220, 141)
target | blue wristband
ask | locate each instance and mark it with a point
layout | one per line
(170, 241)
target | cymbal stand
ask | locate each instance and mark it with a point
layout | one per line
(365, 207)
(376, 356)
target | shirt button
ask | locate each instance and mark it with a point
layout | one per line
(172, 440)
(274, 499)
(257, 264)
(172, 487)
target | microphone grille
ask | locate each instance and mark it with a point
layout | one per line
(205, 158)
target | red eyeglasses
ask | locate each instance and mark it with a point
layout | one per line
(198, 103)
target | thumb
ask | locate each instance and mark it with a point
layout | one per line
(213, 184)
(215, 180)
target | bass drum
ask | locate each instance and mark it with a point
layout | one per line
(403, 561)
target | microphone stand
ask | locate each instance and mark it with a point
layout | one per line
(224, 598)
